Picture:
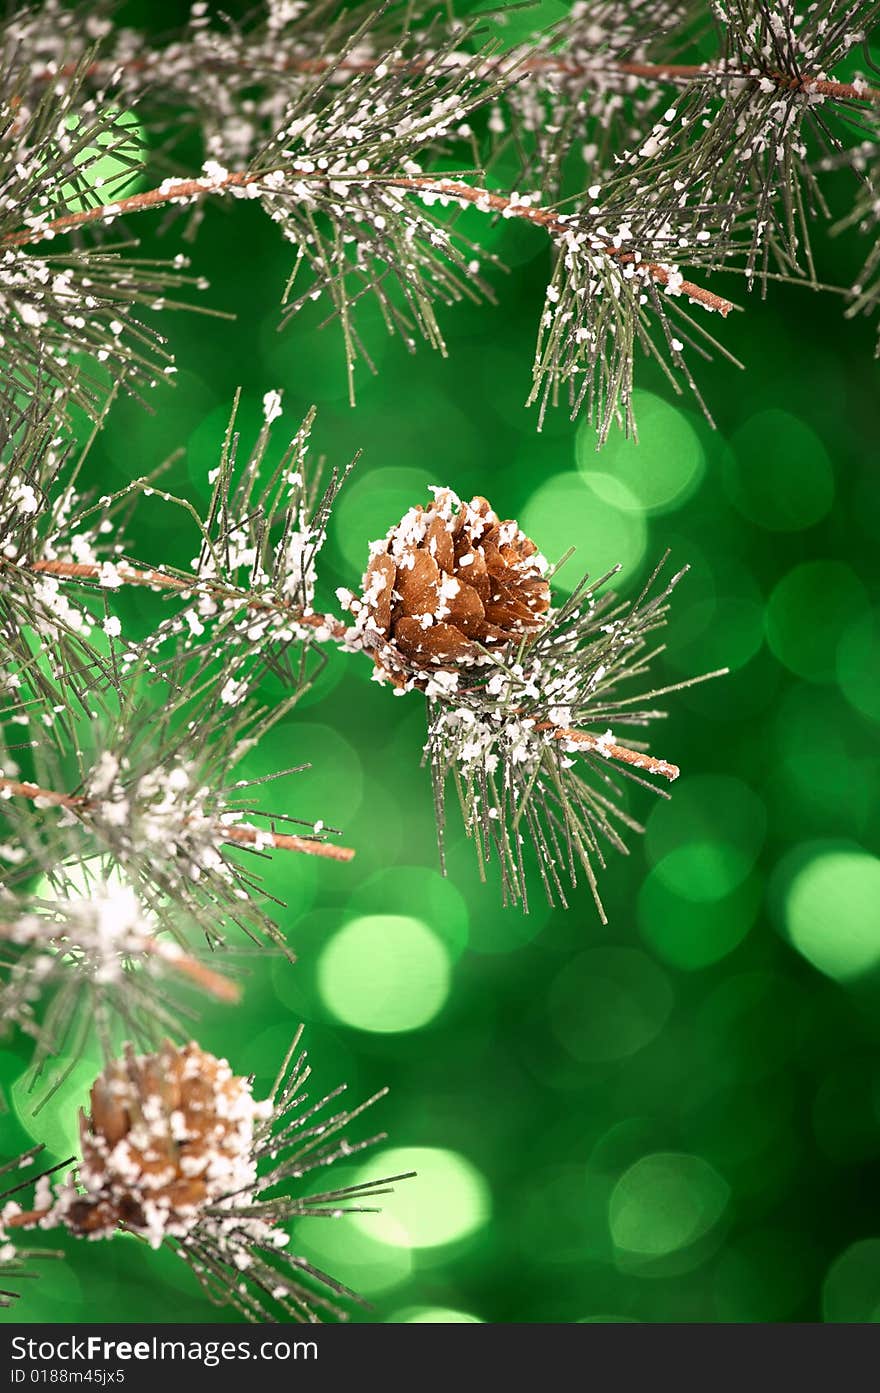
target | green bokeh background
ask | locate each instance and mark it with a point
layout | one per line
(672, 1118)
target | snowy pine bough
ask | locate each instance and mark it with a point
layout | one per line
(674, 155)
(656, 143)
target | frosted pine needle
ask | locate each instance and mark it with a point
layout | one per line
(91, 962)
(19, 1263)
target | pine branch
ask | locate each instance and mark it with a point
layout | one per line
(231, 1190)
(455, 604)
(124, 574)
(211, 595)
(738, 152)
(511, 766)
(213, 983)
(426, 186)
(91, 962)
(61, 309)
(248, 836)
(604, 745)
(591, 348)
(144, 786)
(857, 91)
(340, 632)
(15, 1260)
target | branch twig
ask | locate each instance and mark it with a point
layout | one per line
(26, 1219)
(549, 64)
(242, 833)
(604, 746)
(163, 580)
(214, 983)
(130, 575)
(188, 190)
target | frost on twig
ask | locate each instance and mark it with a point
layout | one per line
(70, 315)
(706, 127)
(536, 747)
(90, 960)
(146, 806)
(19, 1263)
(252, 584)
(161, 803)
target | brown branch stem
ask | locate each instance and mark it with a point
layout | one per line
(558, 225)
(243, 834)
(545, 63)
(602, 745)
(187, 190)
(214, 983)
(27, 1219)
(697, 72)
(163, 580)
(131, 575)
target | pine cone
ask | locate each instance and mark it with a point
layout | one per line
(168, 1134)
(448, 582)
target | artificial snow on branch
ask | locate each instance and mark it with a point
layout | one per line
(68, 317)
(92, 958)
(455, 604)
(339, 152)
(130, 845)
(523, 696)
(701, 131)
(18, 1263)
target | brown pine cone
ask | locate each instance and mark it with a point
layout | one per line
(168, 1134)
(448, 582)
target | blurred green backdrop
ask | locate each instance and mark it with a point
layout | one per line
(673, 1118)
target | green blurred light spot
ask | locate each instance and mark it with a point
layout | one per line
(609, 1003)
(111, 167)
(845, 1111)
(432, 1315)
(763, 1277)
(707, 807)
(559, 1220)
(706, 840)
(492, 933)
(688, 933)
(564, 512)
(447, 1199)
(310, 351)
(659, 471)
(354, 1257)
(858, 664)
(326, 779)
(665, 1202)
(715, 633)
(753, 1022)
(704, 870)
(777, 472)
(807, 613)
(384, 972)
(851, 1291)
(832, 912)
(373, 503)
(441, 906)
